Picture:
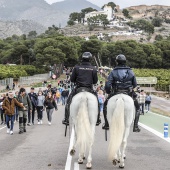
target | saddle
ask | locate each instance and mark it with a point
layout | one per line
(84, 89)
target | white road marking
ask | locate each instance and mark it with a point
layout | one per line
(154, 132)
(69, 157)
(2, 127)
(76, 166)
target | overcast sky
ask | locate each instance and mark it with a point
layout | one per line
(125, 3)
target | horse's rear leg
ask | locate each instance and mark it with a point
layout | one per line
(89, 159)
(73, 150)
(123, 147)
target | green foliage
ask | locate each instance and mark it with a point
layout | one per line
(70, 22)
(17, 71)
(162, 75)
(142, 25)
(157, 22)
(95, 20)
(125, 13)
(158, 37)
(112, 4)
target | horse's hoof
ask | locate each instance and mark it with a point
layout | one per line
(84, 158)
(124, 157)
(80, 161)
(115, 161)
(88, 165)
(72, 152)
(121, 167)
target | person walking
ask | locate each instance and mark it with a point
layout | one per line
(141, 100)
(57, 97)
(9, 106)
(33, 98)
(40, 106)
(50, 104)
(101, 99)
(147, 102)
(23, 98)
(3, 118)
(64, 94)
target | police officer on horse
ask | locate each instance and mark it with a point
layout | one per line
(121, 80)
(83, 76)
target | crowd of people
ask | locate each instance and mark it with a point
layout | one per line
(25, 107)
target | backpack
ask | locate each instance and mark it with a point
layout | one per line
(100, 100)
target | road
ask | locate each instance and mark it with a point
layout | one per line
(44, 147)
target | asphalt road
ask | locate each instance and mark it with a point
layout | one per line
(44, 147)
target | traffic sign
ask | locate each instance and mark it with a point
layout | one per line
(54, 76)
(146, 80)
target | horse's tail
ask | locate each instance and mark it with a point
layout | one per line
(116, 129)
(84, 132)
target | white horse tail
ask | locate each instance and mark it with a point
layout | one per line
(116, 129)
(84, 132)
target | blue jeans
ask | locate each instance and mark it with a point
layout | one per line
(64, 100)
(8, 119)
(101, 107)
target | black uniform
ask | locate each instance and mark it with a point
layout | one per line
(83, 75)
(121, 80)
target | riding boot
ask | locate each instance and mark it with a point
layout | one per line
(67, 108)
(106, 124)
(135, 127)
(98, 117)
(67, 115)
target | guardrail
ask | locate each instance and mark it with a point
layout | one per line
(33, 79)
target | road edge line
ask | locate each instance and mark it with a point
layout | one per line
(69, 157)
(76, 166)
(154, 132)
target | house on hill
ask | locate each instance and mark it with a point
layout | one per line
(107, 10)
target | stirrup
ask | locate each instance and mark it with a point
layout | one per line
(105, 126)
(65, 122)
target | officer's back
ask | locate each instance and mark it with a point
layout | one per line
(84, 75)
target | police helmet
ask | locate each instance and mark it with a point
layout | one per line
(121, 59)
(87, 55)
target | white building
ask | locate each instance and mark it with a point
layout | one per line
(106, 11)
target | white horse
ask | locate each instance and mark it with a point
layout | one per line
(120, 111)
(84, 111)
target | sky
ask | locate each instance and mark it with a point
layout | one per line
(124, 3)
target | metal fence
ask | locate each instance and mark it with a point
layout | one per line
(5, 82)
(33, 79)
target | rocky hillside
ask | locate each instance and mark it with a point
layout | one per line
(8, 28)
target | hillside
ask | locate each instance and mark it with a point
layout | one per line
(8, 28)
(40, 11)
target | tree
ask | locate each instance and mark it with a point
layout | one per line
(86, 10)
(32, 34)
(125, 13)
(157, 22)
(112, 4)
(75, 16)
(103, 19)
(158, 37)
(70, 22)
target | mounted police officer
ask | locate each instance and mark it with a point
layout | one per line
(121, 80)
(83, 76)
